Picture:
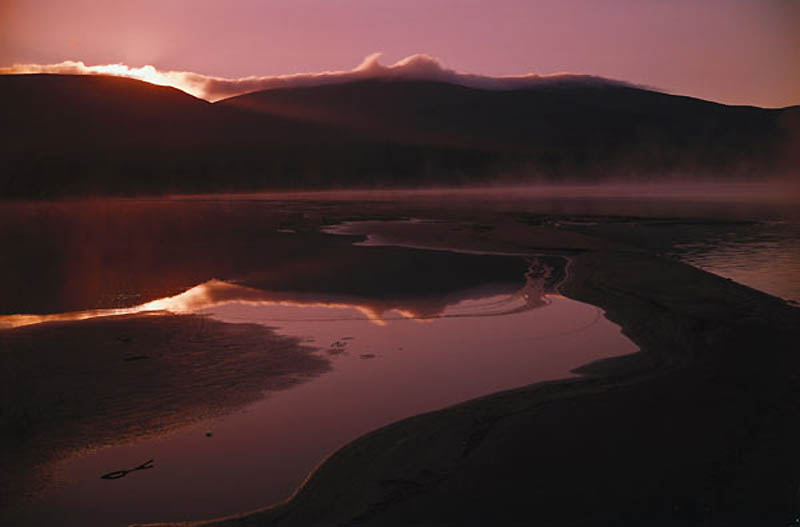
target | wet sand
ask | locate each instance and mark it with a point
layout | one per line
(68, 386)
(699, 428)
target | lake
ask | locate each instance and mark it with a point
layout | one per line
(297, 335)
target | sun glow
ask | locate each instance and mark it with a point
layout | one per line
(145, 73)
(191, 83)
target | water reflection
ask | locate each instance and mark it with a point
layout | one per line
(367, 362)
(216, 293)
(344, 340)
(69, 257)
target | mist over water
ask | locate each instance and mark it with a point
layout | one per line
(752, 200)
(746, 231)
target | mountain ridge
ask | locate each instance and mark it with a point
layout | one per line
(99, 135)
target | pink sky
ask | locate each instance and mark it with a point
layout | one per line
(732, 51)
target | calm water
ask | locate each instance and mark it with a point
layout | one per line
(383, 369)
(764, 256)
(404, 330)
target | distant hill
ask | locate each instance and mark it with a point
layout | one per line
(589, 129)
(75, 135)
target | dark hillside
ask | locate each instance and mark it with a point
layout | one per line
(96, 135)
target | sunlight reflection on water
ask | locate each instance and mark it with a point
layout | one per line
(478, 344)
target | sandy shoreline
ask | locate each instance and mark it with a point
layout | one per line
(698, 429)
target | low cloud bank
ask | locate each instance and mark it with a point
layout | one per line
(415, 67)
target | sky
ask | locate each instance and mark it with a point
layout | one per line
(730, 51)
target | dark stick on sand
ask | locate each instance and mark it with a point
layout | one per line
(117, 474)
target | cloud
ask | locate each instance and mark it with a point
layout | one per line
(415, 67)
